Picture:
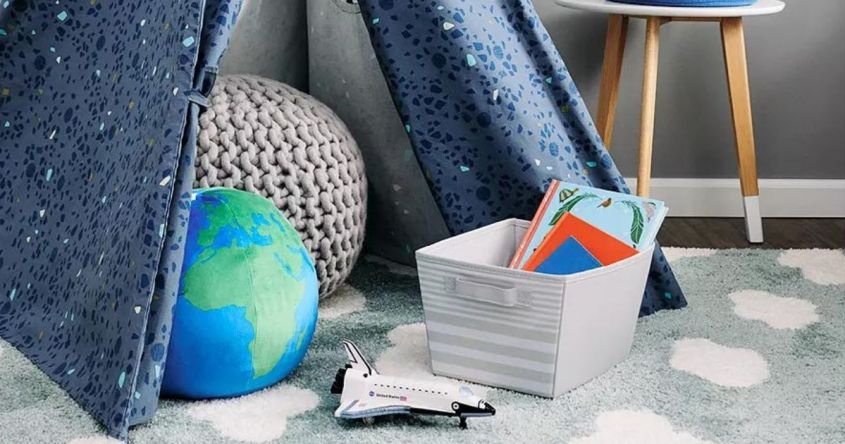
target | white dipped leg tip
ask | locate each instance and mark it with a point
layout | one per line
(753, 221)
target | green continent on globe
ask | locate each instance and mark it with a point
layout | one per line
(244, 251)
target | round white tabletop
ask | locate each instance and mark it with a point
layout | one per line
(760, 7)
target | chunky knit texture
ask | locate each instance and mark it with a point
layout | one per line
(266, 137)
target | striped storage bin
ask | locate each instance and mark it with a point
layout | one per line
(530, 332)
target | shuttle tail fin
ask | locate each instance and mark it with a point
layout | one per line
(357, 359)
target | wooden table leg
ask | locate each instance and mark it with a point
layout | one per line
(652, 47)
(614, 49)
(733, 43)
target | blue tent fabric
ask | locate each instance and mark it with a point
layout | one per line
(493, 113)
(99, 103)
(219, 18)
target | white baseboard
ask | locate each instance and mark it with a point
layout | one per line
(722, 198)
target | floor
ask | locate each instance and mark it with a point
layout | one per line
(730, 233)
(754, 358)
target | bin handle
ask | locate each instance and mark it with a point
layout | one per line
(505, 295)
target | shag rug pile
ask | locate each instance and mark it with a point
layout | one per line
(758, 356)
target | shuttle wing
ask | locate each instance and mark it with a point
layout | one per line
(357, 359)
(367, 408)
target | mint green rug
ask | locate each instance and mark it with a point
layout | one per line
(758, 356)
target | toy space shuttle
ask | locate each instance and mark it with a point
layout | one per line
(364, 393)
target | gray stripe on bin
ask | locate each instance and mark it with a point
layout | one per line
(435, 279)
(544, 311)
(492, 327)
(493, 367)
(476, 344)
(524, 317)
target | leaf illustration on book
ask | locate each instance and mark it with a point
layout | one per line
(569, 204)
(637, 222)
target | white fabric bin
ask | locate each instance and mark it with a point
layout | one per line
(530, 332)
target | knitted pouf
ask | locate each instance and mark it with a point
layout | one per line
(265, 137)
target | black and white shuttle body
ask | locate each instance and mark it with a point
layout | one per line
(364, 393)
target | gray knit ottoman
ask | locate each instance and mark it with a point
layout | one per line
(266, 137)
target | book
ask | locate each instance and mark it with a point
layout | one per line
(630, 219)
(570, 257)
(602, 246)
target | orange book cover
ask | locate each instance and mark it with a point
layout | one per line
(604, 247)
(544, 205)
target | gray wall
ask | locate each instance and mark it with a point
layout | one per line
(797, 73)
(270, 40)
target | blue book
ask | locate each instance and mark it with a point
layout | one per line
(570, 257)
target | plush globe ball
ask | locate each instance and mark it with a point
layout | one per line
(247, 303)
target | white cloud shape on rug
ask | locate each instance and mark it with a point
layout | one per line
(636, 427)
(95, 439)
(393, 267)
(725, 366)
(824, 267)
(345, 300)
(258, 417)
(409, 358)
(409, 354)
(674, 253)
(776, 311)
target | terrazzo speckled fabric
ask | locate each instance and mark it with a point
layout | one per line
(493, 113)
(97, 100)
(757, 357)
